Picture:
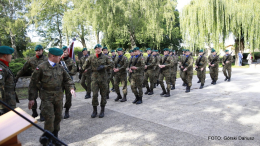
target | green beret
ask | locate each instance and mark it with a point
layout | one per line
(187, 50)
(56, 51)
(173, 51)
(98, 46)
(64, 48)
(155, 50)
(226, 50)
(38, 47)
(213, 50)
(130, 51)
(166, 49)
(84, 49)
(200, 51)
(148, 49)
(183, 50)
(105, 48)
(6, 50)
(112, 51)
(136, 48)
(119, 49)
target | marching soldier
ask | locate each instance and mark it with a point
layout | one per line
(99, 64)
(51, 76)
(32, 63)
(113, 74)
(150, 65)
(166, 64)
(71, 67)
(201, 64)
(213, 64)
(86, 76)
(7, 80)
(121, 63)
(182, 59)
(174, 70)
(137, 70)
(187, 68)
(157, 68)
(109, 70)
(130, 63)
(227, 65)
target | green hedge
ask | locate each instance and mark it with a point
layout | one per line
(16, 65)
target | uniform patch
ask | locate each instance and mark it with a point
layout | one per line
(37, 68)
(1, 77)
(1, 69)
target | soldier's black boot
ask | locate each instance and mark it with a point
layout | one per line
(154, 86)
(183, 84)
(147, 91)
(108, 96)
(118, 97)
(34, 114)
(94, 113)
(229, 79)
(187, 89)
(173, 87)
(124, 99)
(199, 81)
(158, 82)
(55, 133)
(87, 95)
(102, 112)
(167, 94)
(66, 115)
(41, 118)
(164, 92)
(151, 92)
(201, 86)
(139, 100)
(226, 78)
(214, 82)
(136, 99)
(143, 85)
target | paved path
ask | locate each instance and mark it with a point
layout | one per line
(226, 109)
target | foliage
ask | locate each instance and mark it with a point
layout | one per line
(15, 67)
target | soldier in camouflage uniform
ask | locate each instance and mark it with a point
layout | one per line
(157, 69)
(113, 74)
(52, 76)
(214, 66)
(166, 65)
(150, 65)
(201, 64)
(173, 70)
(137, 70)
(72, 70)
(130, 63)
(99, 64)
(7, 80)
(86, 76)
(32, 63)
(182, 59)
(187, 67)
(227, 65)
(121, 63)
(109, 70)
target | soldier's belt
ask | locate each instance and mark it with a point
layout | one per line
(52, 88)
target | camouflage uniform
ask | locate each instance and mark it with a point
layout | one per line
(130, 63)
(166, 73)
(182, 59)
(188, 74)
(86, 76)
(137, 77)
(113, 74)
(151, 62)
(213, 70)
(99, 77)
(121, 76)
(7, 87)
(227, 67)
(72, 68)
(109, 75)
(201, 74)
(31, 64)
(174, 71)
(157, 70)
(52, 79)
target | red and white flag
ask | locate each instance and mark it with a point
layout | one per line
(71, 49)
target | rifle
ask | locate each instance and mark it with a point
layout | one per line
(47, 138)
(119, 59)
(65, 67)
(198, 64)
(163, 63)
(215, 59)
(227, 59)
(184, 64)
(147, 61)
(136, 60)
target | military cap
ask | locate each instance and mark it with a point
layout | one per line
(200, 51)
(98, 46)
(6, 50)
(187, 50)
(173, 51)
(136, 48)
(226, 50)
(84, 49)
(183, 50)
(155, 50)
(166, 49)
(112, 51)
(64, 48)
(55, 51)
(148, 49)
(38, 47)
(213, 50)
(141, 51)
(105, 48)
(119, 49)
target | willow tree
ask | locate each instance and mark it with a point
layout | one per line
(136, 19)
(212, 21)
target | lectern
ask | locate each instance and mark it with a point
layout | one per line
(11, 125)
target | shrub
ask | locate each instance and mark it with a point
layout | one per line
(15, 67)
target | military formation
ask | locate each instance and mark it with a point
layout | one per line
(53, 76)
